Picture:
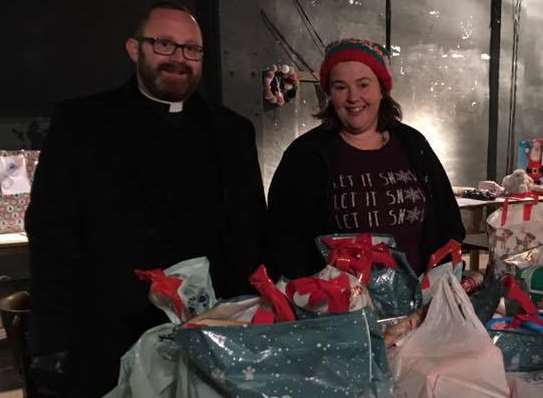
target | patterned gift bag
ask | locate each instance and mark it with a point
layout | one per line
(392, 284)
(329, 356)
(515, 228)
(13, 205)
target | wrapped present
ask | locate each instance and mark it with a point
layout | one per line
(522, 350)
(392, 284)
(375, 240)
(329, 291)
(328, 356)
(183, 290)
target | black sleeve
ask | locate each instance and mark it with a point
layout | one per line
(52, 225)
(295, 213)
(245, 212)
(450, 221)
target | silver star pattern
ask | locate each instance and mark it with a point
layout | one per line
(403, 176)
(412, 194)
(414, 215)
(248, 373)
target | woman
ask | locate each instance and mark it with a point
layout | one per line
(361, 170)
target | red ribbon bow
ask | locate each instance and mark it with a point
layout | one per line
(264, 285)
(164, 286)
(516, 294)
(335, 292)
(357, 255)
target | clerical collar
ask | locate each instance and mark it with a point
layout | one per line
(174, 107)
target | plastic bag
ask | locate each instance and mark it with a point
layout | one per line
(450, 354)
(183, 290)
(435, 271)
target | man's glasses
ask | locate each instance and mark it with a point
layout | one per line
(161, 46)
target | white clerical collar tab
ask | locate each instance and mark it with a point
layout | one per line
(174, 107)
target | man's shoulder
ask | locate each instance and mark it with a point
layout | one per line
(102, 99)
(227, 115)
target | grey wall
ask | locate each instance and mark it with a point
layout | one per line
(440, 66)
(528, 122)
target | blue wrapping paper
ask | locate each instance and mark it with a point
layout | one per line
(328, 356)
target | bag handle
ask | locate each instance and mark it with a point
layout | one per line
(527, 209)
(451, 297)
(452, 247)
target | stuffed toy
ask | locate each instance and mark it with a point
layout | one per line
(517, 182)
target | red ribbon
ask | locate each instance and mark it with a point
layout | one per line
(263, 317)
(165, 286)
(335, 292)
(516, 294)
(453, 248)
(527, 209)
(357, 255)
(264, 285)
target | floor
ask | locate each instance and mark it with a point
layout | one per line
(9, 379)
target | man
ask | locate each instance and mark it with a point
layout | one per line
(140, 177)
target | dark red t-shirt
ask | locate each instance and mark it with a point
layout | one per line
(377, 191)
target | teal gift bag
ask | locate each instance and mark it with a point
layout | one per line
(519, 337)
(328, 356)
(392, 284)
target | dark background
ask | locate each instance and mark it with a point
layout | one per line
(58, 49)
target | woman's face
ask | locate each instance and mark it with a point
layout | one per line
(355, 94)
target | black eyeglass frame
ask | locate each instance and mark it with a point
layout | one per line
(154, 40)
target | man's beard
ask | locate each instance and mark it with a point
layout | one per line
(162, 88)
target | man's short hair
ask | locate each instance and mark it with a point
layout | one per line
(163, 5)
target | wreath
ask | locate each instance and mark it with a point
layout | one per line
(280, 84)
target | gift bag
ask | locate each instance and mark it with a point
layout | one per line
(328, 356)
(450, 354)
(16, 175)
(520, 336)
(515, 228)
(435, 271)
(392, 284)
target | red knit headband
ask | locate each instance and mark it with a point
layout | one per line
(366, 52)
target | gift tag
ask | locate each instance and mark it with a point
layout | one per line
(13, 175)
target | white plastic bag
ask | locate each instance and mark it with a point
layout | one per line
(435, 271)
(526, 384)
(450, 354)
